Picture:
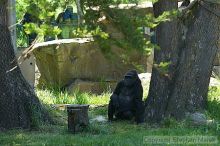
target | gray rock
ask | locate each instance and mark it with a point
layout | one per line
(91, 86)
(99, 119)
(198, 118)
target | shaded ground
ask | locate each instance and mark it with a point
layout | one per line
(119, 133)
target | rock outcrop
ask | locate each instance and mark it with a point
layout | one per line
(62, 62)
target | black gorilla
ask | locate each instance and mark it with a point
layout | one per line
(126, 101)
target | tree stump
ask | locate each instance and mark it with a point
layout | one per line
(77, 117)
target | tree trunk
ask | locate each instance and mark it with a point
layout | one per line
(186, 89)
(19, 107)
(192, 79)
(160, 85)
(3, 12)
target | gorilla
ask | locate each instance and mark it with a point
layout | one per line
(126, 101)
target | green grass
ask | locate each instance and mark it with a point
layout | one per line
(214, 102)
(118, 133)
(63, 97)
(115, 134)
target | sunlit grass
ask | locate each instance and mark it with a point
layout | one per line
(63, 97)
(214, 102)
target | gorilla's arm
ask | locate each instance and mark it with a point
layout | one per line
(139, 92)
(111, 111)
(113, 103)
(139, 113)
(118, 88)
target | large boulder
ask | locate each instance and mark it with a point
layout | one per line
(91, 86)
(61, 62)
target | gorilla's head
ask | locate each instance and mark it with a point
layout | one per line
(130, 78)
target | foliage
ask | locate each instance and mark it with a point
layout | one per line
(133, 32)
(83, 32)
(54, 97)
(214, 102)
(44, 11)
(150, 21)
(63, 98)
(80, 98)
(163, 67)
(131, 26)
(21, 37)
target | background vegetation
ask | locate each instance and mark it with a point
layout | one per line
(47, 11)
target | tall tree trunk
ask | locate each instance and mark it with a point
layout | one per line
(19, 107)
(166, 38)
(187, 86)
(192, 79)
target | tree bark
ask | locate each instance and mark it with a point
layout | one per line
(185, 89)
(3, 12)
(192, 79)
(19, 107)
(160, 85)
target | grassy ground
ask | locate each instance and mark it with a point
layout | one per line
(62, 97)
(119, 133)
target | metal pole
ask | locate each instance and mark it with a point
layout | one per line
(12, 21)
(79, 12)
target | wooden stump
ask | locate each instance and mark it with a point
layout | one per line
(77, 117)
